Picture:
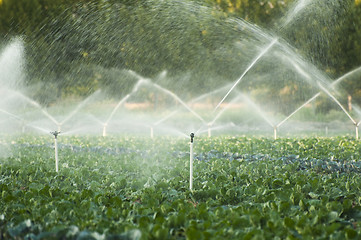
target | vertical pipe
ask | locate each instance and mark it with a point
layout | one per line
(191, 162)
(326, 131)
(105, 130)
(356, 132)
(56, 153)
(209, 132)
(56, 133)
(151, 132)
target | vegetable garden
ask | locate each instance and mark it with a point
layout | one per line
(138, 188)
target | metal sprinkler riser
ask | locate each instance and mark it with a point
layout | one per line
(191, 162)
(55, 133)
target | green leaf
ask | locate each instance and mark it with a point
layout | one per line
(20, 228)
(194, 234)
(36, 186)
(350, 233)
(313, 195)
(332, 216)
(289, 223)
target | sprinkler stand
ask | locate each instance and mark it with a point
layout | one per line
(356, 130)
(151, 132)
(105, 130)
(275, 133)
(326, 131)
(56, 133)
(191, 162)
(209, 130)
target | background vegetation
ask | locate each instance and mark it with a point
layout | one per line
(78, 46)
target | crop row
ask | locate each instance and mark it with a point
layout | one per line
(138, 188)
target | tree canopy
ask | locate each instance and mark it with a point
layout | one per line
(77, 46)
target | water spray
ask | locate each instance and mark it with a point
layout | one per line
(191, 162)
(151, 132)
(342, 108)
(263, 52)
(332, 85)
(56, 133)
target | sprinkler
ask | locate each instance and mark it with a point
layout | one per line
(275, 132)
(59, 128)
(56, 133)
(356, 130)
(209, 130)
(105, 129)
(191, 162)
(326, 131)
(151, 132)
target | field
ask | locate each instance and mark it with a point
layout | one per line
(138, 188)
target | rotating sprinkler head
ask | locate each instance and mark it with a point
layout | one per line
(192, 136)
(55, 133)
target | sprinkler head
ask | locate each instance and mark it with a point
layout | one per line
(55, 133)
(192, 136)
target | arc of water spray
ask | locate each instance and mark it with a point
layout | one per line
(314, 97)
(345, 76)
(180, 101)
(210, 124)
(169, 93)
(299, 108)
(217, 128)
(221, 112)
(333, 84)
(116, 108)
(297, 9)
(263, 52)
(261, 113)
(135, 88)
(190, 103)
(11, 115)
(82, 104)
(37, 105)
(338, 103)
(165, 118)
(23, 121)
(258, 110)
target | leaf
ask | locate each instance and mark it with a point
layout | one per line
(332, 216)
(313, 195)
(36, 186)
(85, 235)
(134, 234)
(194, 234)
(289, 223)
(350, 233)
(20, 228)
(159, 232)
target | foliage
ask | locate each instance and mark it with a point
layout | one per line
(137, 188)
(77, 46)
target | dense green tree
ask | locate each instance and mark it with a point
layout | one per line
(77, 46)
